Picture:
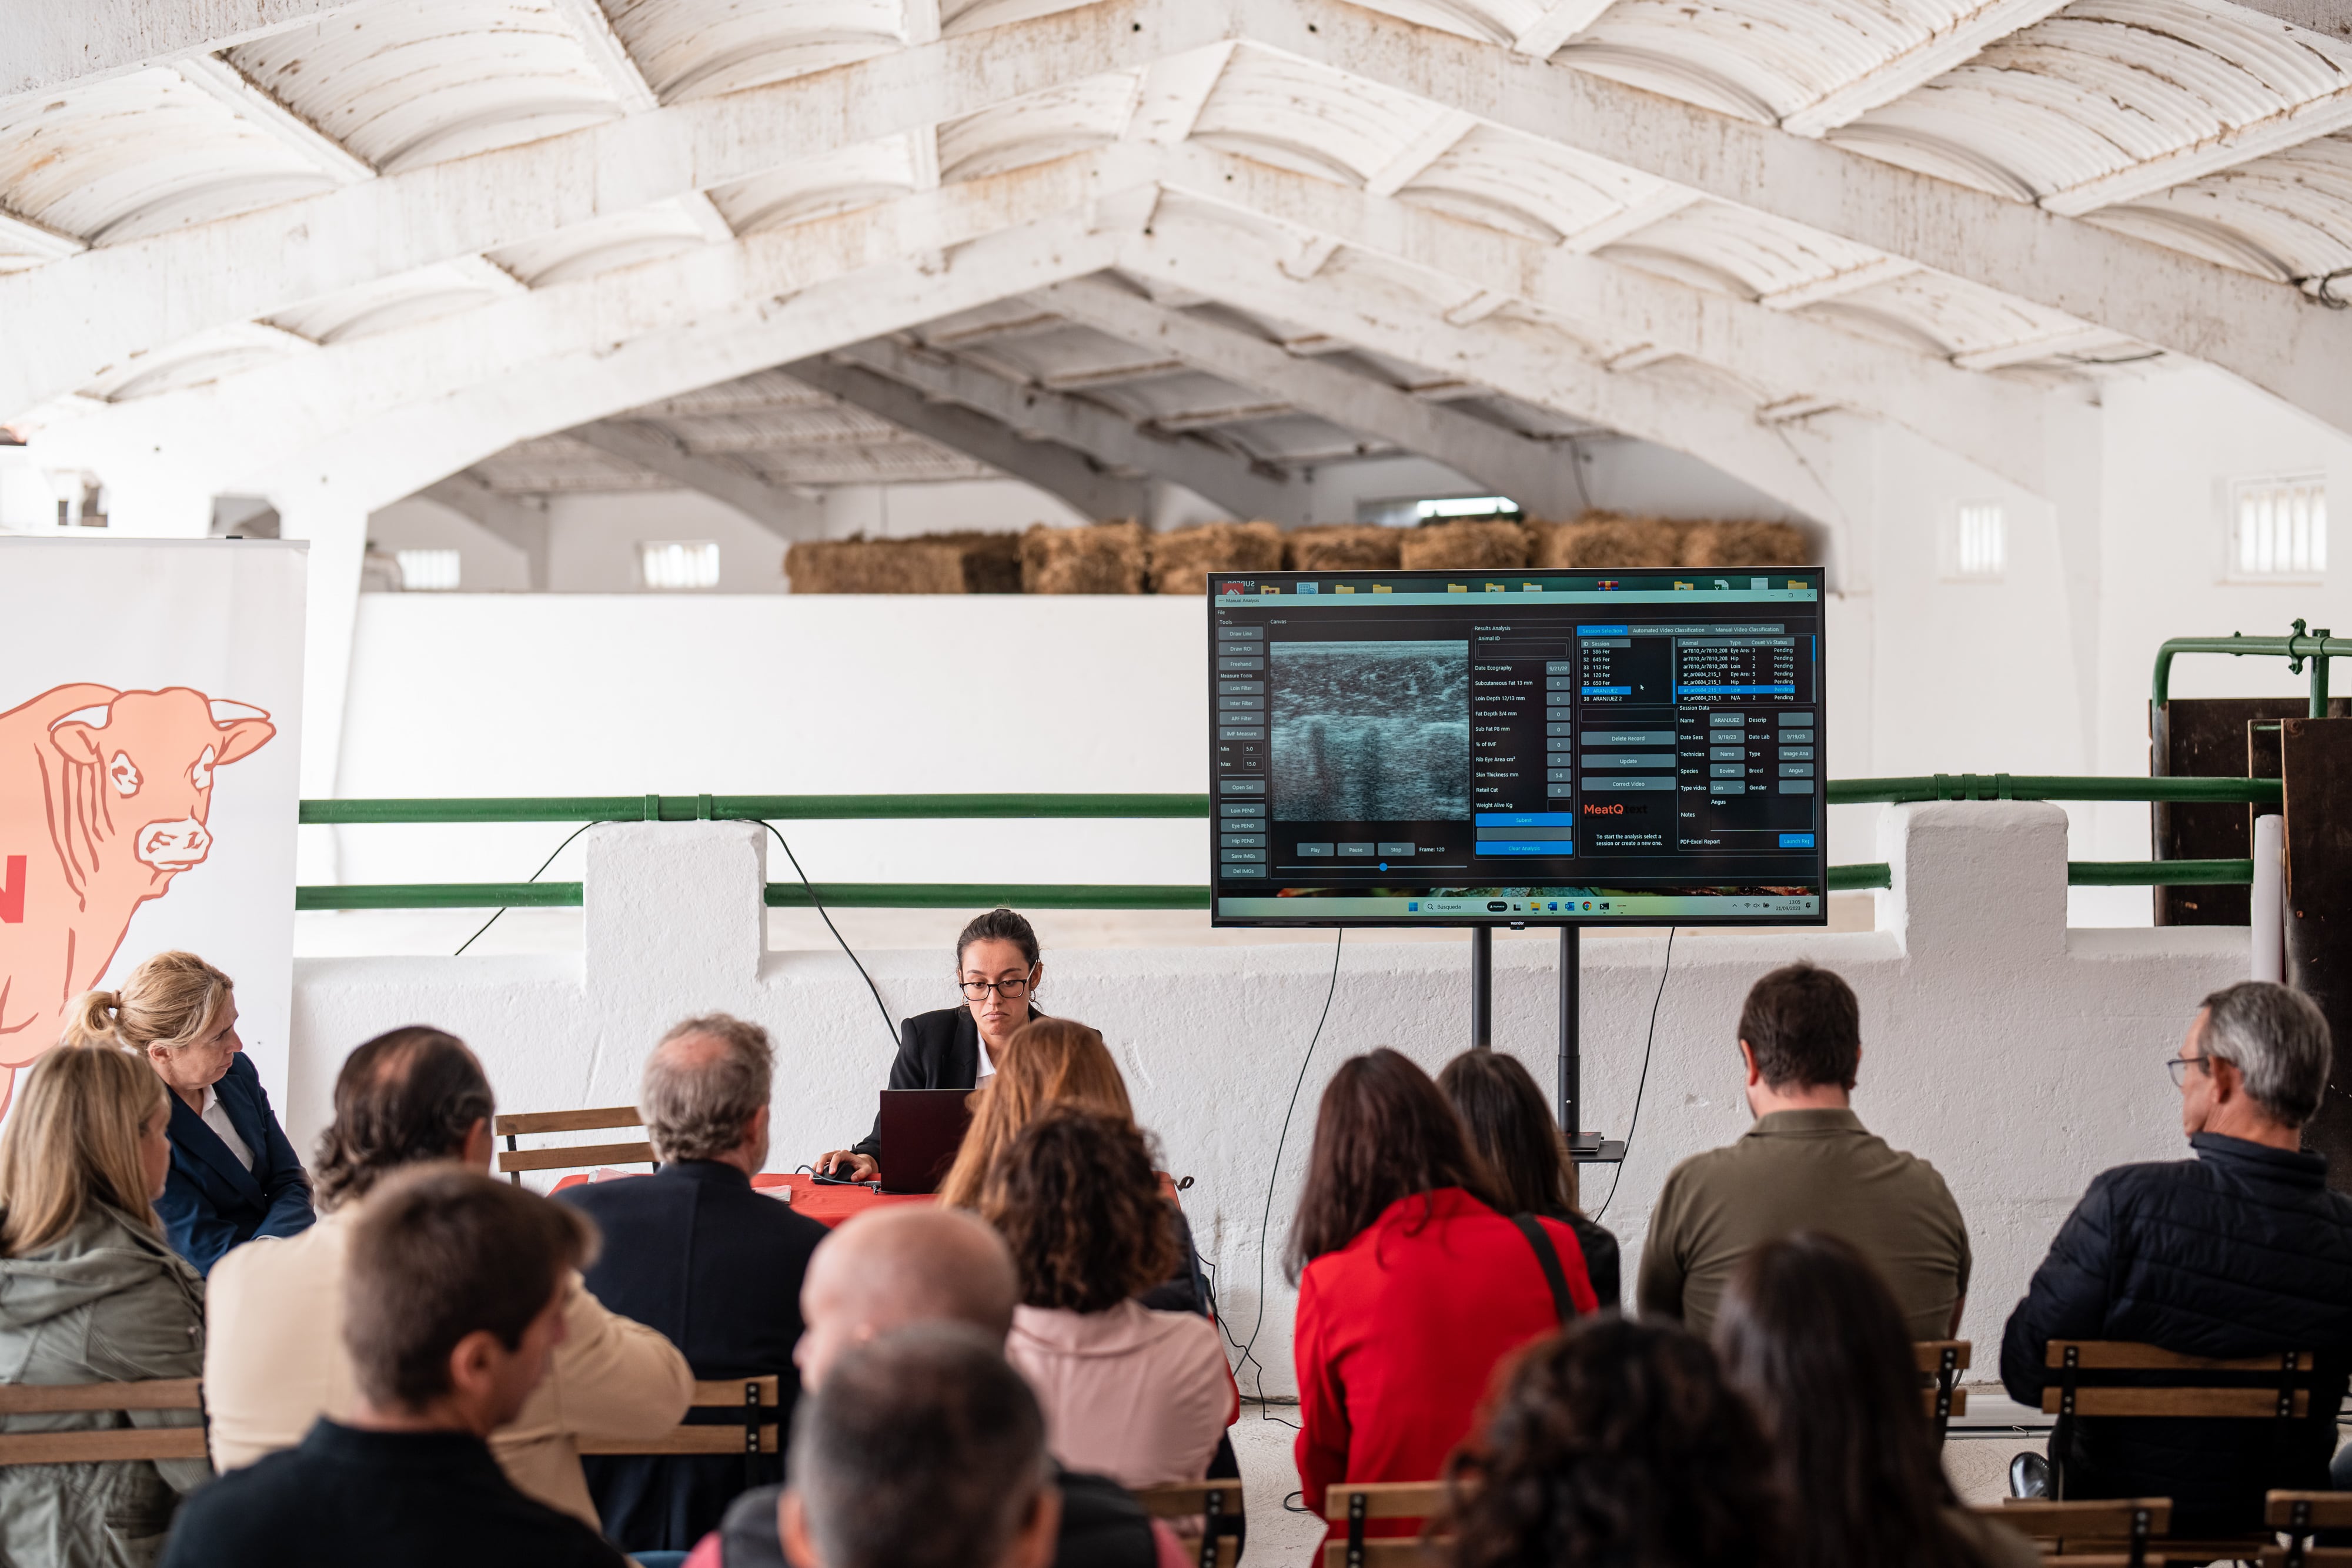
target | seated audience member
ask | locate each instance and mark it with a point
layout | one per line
(1808, 1163)
(886, 1272)
(1412, 1283)
(1812, 1335)
(1140, 1395)
(454, 1293)
(923, 1451)
(1612, 1444)
(90, 1292)
(1511, 1129)
(275, 1360)
(2238, 1251)
(233, 1176)
(1050, 1062)
(694, 1252)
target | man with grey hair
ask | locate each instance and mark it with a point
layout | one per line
(697, 1253)
(922, 1449)
(2240, 1251)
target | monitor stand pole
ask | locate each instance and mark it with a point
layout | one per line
(1583, 1147)
(1482, 988)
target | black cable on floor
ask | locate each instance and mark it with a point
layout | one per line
(1618, 1174)
(888, 1026)
(550, 861)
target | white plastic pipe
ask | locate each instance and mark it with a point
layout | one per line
(2268, 918)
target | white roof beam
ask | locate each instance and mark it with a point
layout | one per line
(1172, 92)
(262, 110)
(1242, 488)
(1562, 20)
(650, 447)
(2266, 333)
(45, 48)
(507, 518)
(608, 54)
(2276, 132)
(1966, 35)
(1994, 424)
(1715, 427)
(69, 321)
(25, 237)
(1425, 147)
(2328, 16)
(1530, 472)
(1059, 471)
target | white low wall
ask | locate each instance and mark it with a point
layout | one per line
(2018, 1056)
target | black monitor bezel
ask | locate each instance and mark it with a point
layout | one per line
(1512, 921)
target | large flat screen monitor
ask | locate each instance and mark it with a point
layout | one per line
(1524, 747)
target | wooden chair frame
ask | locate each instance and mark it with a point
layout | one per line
(2298, 1515)
(1941, 1362)
(2277, 1386)
(516, 1160)
(2123, 1532)
(1358, 1502)
(105, 1445)
(1216, 1503)
(756, 1397)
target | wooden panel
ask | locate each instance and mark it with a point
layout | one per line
(2200, 1552)
(1959, 1402)
(2220, 1404)
(2313, 1556)
(578, 1158)
(1181, 1499)
(568, 1121)
(2205, 738)
(1389, 1553)
(2328, 1510)
(688, 1440)
(2047, 1520)
(2316, 761)
(1929, 1353)
(728, 1392)
(2124, 1355)
(117, 1443)
(1387, 1500)
(157, 1393)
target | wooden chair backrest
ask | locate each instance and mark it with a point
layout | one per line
(2298, 1513)
(755, 1435)
(513, 1161)
(1940, 1364)
(2121, 1532)
(1210, 1513)
(2243, 1388)
(1355, 1503)
(115, 1443)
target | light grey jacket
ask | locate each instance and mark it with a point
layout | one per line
(108, 1303)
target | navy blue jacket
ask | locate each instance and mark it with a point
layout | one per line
(210, 1202)
(694, 1252)
(2238, 1252)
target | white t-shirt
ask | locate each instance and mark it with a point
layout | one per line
(216, 1118)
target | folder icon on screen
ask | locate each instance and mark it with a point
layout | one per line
(1382, 588)
(1342, 587)
(1457, 588)
(1494, 588)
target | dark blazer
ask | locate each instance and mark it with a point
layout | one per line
(2241, 1251)
(694, 1252)
(1102, 1526)
(210, 1202)
(936, 1050)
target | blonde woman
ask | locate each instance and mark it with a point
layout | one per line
(234, 1174)
(90, 1292)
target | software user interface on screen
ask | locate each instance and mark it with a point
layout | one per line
(1419, 747)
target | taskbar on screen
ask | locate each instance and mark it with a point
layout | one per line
(1547, 904)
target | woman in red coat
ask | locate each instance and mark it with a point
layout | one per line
(1411, 1284)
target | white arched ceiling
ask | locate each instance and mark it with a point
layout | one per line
(1934, 212)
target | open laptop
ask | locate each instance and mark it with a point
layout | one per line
(921, 1130)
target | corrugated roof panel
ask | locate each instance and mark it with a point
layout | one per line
(1742, 251)
(137, 154)
(2287, 216)
(422, 81)
(601, 245)
(700, 48)
(1526, 186)
(1302, 117)
(195, 360)
(393, 302)
(831, 183)
(1067, 118)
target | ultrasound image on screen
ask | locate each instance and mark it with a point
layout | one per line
(1371, 732)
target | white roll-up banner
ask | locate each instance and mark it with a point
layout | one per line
(150, 708)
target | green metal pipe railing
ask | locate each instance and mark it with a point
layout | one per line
(2317, 646)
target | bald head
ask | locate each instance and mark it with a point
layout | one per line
(913, 1263)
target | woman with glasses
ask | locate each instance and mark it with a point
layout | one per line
(956, 1047)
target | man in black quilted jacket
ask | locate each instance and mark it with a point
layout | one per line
(2240, 1251)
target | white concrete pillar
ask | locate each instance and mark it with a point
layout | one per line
(1983, 878)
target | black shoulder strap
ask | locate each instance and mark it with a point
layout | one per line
(1549, 1256)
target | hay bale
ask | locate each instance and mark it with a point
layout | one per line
(1723, 546)
(1102, 557)
(929, 563)
(1606, 541)
(1182, 559)
(1342, 547)
(1463, 545)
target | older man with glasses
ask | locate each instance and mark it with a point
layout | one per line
(2240, 1250)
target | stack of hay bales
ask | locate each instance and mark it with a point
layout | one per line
(1607, 541)
(1342, 547)
(1483, 544)
(1103, 558)
(1717, 544)
(932, 563)
(1182, 559)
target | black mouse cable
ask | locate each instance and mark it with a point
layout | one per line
(816, 903)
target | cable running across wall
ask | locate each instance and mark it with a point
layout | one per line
(1651, 1039)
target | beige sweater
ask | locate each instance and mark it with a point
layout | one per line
(274, 1362)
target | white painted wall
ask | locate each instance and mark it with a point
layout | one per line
(2020, 1057)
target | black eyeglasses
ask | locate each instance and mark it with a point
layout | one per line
(1011, 990)
(2178, 1067)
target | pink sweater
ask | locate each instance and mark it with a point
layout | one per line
(1137, 1395)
